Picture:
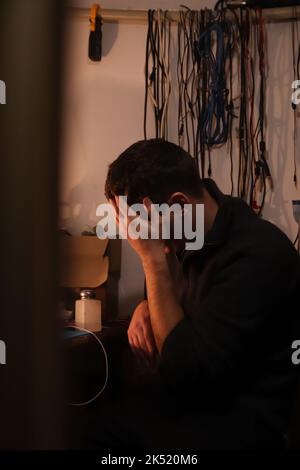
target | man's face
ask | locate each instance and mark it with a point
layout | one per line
(176, 222)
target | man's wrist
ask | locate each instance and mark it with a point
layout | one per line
(155, 261)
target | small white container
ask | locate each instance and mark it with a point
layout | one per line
(88, 311)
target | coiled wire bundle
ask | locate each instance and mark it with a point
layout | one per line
(216, 70)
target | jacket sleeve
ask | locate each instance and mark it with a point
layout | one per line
(211, 347)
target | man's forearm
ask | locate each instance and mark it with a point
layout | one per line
(165, 310)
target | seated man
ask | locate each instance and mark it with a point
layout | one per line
(221, 320)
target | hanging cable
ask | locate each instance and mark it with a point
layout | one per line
(252, 89)
(157, 71)
(244, 156)
(205, 104)
(187, 80)
(202, 92)
(231, 112)
(262, 171)
(217, 86)
(213, 47)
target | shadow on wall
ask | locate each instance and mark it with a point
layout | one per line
(109, 37)
(78, 213)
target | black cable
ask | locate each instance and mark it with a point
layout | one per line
(202, 70)
(169, 55)
(157, 81)
(187, 81)
(244, 111)
(262, 164)
(180, 125)
(215, 116)
(211, 44)
(231, 117)
(146, 76)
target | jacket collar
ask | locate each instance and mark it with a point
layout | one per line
(218, 233)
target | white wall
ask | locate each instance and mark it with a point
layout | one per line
(103, 114)
(144, 4)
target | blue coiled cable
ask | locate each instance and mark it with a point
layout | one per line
(216, 114)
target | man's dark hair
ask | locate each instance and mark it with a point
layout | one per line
(153, 168)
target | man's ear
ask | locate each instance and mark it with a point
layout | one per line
(179, 198)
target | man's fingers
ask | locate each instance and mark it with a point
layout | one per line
(138, 343)
(139, 350)
(149, 341)
(143, 350)
(122, 217)
(140, 334)
(136, 351)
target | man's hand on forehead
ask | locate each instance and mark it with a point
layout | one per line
(123, 219)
